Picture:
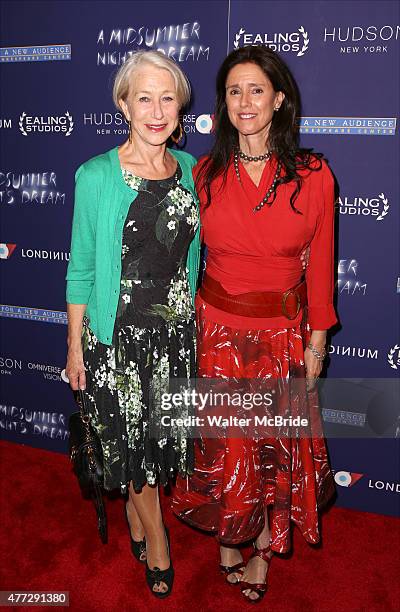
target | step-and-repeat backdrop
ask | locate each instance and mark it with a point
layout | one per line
(57, 61)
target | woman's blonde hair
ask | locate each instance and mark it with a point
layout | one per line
(154, 58)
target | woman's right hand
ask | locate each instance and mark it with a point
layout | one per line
(75, 370)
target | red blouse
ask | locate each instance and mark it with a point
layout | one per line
(260, 251)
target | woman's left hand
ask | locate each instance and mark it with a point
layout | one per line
(313, 368)
(312, 363)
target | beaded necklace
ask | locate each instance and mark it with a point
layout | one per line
(274, 180)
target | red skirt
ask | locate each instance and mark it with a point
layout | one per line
(235, 480)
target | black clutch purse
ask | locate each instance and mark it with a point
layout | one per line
(87, 459)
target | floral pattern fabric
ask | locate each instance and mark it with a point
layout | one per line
(153, 340)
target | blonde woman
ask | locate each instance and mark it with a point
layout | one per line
(130, 287)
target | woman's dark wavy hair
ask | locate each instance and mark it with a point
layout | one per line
(283, 136)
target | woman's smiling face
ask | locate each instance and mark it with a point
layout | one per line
(152, 105)
(251, 99)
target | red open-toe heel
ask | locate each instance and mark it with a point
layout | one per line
(227, 570)
(232, 569)
(259, 587)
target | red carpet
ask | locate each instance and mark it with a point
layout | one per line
(49, 542)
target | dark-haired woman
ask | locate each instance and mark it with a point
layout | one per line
(263, 201)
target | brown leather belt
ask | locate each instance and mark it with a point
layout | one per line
(255, 303)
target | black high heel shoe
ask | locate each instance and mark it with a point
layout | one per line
(137, 548)
(155, 575)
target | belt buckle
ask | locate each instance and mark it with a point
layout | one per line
(284, 300)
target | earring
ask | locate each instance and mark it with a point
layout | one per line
(177, 139)
(130, 132)
(276, 108)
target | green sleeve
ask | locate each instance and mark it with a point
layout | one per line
(81, 267)
(193, 260)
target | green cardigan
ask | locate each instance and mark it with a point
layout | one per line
(102, 200)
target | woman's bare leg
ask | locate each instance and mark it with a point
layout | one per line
(137, 529)
(231, 556)
(135, 524)
(256, 567)
(148, 509)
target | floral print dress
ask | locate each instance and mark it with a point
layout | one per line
(153, 340)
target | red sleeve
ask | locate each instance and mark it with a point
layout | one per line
(320, 270)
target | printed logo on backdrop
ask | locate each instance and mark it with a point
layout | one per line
(181, 42)
(362, 39)
(5, 124)
(347, 479)
(6, 250)
(111, 124)
(106, 124)
(10, 366)
(283, 42)
(56, 124)
(393, 357)
(29, 313)
(384, 485)
(345, 126)
(45, 255)
(349, 281)
(23, 421)
(376, 207)
(357, 352)
(42, 53)
(114, 123)
(343, 417)
(203, 124)
(31, 188)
